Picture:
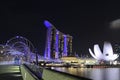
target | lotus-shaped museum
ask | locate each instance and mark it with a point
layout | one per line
(106, 55)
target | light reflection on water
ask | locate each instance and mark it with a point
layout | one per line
(93, 73)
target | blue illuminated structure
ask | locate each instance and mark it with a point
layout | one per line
(47, 24)
(65, 46)
(21, 46)
(58, 44)
(47, 49)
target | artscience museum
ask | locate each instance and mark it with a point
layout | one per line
(106, 55)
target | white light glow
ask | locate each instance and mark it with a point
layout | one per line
(107, 54)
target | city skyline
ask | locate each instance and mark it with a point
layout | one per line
(88, 22)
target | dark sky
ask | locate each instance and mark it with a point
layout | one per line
(87, 21)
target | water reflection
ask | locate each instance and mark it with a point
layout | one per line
(93, 73)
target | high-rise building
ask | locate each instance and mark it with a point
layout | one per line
(58, 44)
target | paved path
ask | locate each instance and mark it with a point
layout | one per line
(10, 72)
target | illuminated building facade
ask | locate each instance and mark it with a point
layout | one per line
(58, 44)
(106, 55)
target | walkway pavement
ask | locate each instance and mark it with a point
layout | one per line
(10, 72)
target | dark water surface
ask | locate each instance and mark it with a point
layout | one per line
(93, 73)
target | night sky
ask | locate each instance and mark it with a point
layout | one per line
(89, 22)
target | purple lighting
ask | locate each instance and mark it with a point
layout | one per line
(48, 44)
(17, 36)
(47, 24)
(57, 41)
(65, 45)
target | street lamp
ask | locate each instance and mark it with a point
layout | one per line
(36, 56)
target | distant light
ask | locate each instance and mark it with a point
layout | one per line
(17, 36)
(7, 41)
(1, 51)
(47, 24)
(115, 24)
(21, 37)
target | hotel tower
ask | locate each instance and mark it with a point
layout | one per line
(58, 44)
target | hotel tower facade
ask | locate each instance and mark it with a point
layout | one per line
(58, 44)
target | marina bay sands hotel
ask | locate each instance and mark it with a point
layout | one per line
(58, 44)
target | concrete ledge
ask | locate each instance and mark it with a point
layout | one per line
(28, 74)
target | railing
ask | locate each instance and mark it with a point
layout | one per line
(31, 72)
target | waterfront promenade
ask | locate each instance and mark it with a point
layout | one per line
(10, 72)
(22, 72)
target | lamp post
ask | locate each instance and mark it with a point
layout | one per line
(36, 54)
